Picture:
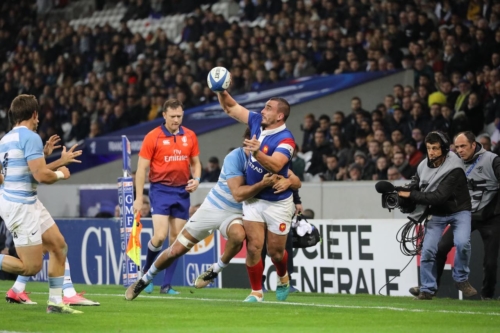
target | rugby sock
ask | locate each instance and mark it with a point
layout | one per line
(20, 284)
(219, 266)
(169, 274)
(255, 276)
(151, 256)
(281, 265)
(150, 275)
(55, 289)
(1, 260)
(68, 288)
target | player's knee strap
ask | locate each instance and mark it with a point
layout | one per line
(235, 221)
(184, 241)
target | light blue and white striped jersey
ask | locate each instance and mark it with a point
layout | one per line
(17, 148)
(220, 196)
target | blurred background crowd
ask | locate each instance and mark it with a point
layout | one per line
(95, 79)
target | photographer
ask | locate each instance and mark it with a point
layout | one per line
(443, 199)
(482, 169)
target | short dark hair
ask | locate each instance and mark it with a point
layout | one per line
(437, 137)
(332, 155)
(247, 133)
(471, 138)
(324, 117)
(172, 103)
(283, 106)
(22, 108)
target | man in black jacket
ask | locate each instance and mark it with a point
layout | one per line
(483, 173)
(443, 199)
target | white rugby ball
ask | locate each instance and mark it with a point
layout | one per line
(219, 79)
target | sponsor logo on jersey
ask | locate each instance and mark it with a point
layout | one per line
(265, 149)
(184, 141)
(166, 142)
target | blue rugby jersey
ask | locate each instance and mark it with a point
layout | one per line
(276, 140)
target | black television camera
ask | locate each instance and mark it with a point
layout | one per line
(390, 198)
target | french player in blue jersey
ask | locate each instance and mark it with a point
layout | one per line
(220, 210)
(271, 147)
(33, 229)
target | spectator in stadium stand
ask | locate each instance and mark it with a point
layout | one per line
(308, 126)
(381, 166)
(400, 162)
(212, 171)
(321, 148)
(93, 80)
(298, 164)
(367, 166)
(413, 155)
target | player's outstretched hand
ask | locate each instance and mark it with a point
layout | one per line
(192, 185)
(70, 156)
(65, 172)
(50, 145)
(282, 184)
(252, 145)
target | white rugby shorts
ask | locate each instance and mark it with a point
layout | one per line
(26, 222)
(276, 214)
(208, 218)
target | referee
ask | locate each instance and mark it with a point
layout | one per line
(482, 169)
(171, 152)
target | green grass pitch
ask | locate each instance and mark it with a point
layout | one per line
(222, 310)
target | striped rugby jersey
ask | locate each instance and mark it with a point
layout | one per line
(220, 196)
(18, 147)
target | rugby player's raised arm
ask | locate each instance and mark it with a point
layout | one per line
(242, 192)
(232, 108)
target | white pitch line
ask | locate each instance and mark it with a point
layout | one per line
(336, 306)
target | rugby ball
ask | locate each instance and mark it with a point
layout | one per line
(219, 79)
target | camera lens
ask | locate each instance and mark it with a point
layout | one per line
(392, 201)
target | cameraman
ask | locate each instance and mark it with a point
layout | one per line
(443, 199)
(483, 172)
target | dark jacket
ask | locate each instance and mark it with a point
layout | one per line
(451, 196)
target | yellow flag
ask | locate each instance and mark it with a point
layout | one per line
(134, 242)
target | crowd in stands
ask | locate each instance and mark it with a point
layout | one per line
(92, 81)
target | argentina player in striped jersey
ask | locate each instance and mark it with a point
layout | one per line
(222, 210)
(32, 227)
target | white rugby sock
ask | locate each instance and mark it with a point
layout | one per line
(219, 266)
(20, 284)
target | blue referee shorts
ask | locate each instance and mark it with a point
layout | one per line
(169, 200)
